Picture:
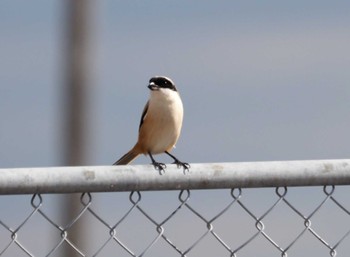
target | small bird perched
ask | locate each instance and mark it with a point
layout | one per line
(160, 124)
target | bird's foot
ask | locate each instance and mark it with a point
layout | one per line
(179, 163)
(159, 166)
(184, 165)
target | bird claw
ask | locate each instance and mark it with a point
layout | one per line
(184, 165)
(160, 167)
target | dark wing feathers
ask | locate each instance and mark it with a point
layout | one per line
(144, 113)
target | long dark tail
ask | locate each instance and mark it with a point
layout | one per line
(127, 158)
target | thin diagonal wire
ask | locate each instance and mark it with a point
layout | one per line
(154, 222)
(307, 222)
(178, 207)
(340, 205)
(112, 229)
(61, 229)
(113, 232)
(328, 195)
(23, 248)
(15, 232)
(253, 216)
(281, 196)
(14, 241)
(348, 213)
(260, 225)
(11, 241)
(64, 230)
(302, 232)
(31, 214)
(208, 224)
(221, 213)
(37, 203)
(160, 227)
(209, 228)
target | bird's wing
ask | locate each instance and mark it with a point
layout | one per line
(144, 114)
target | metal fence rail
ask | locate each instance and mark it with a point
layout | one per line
(238, 219)
(201, 176)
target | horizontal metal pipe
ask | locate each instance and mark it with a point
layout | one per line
(200, 176)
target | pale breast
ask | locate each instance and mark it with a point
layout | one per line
(162, 124)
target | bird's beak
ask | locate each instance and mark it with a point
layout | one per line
(152, 86)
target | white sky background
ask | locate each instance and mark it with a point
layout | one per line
(260, 80)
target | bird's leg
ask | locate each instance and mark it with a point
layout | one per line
(157, 165)
(179, 163)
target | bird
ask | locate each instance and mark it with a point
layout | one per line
(160, 124)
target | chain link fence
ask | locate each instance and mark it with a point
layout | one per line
(238, 221)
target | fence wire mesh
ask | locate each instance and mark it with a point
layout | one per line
(282, 221)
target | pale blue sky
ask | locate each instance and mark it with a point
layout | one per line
(259, 81)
